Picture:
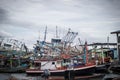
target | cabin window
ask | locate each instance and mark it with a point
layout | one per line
(37, 64)
(53, 63)
(66, 61)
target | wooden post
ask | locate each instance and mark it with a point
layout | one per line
(118, 45)
(102, 55)
(69, 75)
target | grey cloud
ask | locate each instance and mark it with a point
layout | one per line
(3, 15)
(5, 34)
(106, 8)
(76, 14)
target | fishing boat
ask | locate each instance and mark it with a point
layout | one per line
(59, 67)
(11, 56)
(59, 59)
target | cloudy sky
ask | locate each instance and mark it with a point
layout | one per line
(26, 20)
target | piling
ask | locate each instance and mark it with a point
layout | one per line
(69, 75)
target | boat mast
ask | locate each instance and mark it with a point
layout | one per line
(108, 42)
(45, 34)
(102, 54)
(56, 32)
(39, 36)
(85, 53)
(80, 43)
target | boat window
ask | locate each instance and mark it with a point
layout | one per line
(53, 62)
(37, 64)
(66, 60)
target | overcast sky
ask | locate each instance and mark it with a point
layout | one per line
(92, 19)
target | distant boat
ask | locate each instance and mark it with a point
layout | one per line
(13, 65)
(11, 56)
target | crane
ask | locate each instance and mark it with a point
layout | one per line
(69, 37)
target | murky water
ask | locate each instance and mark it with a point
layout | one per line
(23, 76)
(4, 76)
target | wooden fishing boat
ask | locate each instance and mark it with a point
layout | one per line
(60, 59)
(65, 63)
(11, 56)
(59, 67)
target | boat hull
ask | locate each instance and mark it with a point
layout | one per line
(87, 70)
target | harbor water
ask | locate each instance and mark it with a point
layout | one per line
(23, 76)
